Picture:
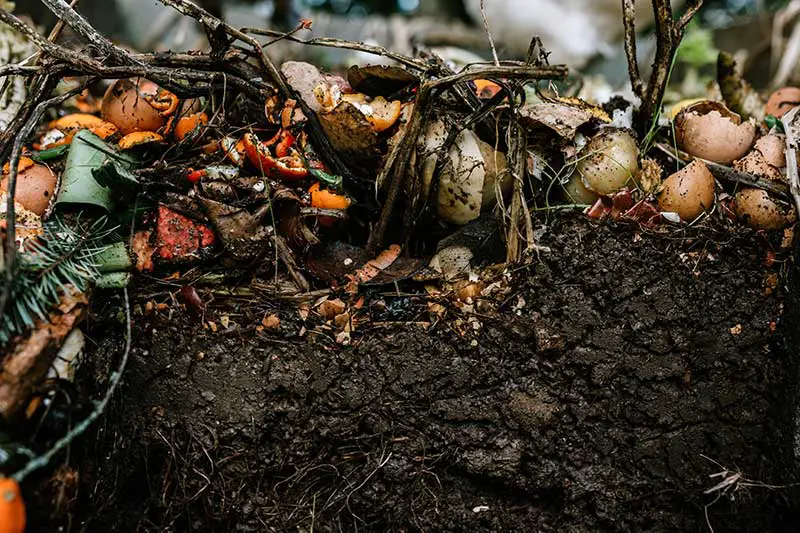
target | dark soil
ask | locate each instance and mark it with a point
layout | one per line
(588, 409)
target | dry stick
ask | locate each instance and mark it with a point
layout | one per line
(81, 26)
(400, 156)
(489, 33)
(211, 22)
(517, 150)
(344, 44)
(59, 27)
(669, 33)
(629, 21)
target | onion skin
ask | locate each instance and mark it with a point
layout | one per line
(611, 162)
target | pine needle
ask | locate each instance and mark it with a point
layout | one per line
(62, 256)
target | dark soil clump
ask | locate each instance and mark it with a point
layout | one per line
(586, 404)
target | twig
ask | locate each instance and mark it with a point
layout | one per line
(44, 459)
(344, 44)
(65, 13)
(288, 261)
(669, 33)
(488, 33)
(59, 26)
(629, 21)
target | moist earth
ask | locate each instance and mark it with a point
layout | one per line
(624, 370)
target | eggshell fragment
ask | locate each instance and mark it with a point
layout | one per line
(36, 185)
(766, 159)
(711, 131)
(756, 209)
(782, 101)
(688, 192)
(611, 161)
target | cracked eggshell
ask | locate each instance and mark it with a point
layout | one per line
(496, 169)
(766, 159)
(756, 209)
(688, 192)
(711, 131)
(461, 181)
(610, 161)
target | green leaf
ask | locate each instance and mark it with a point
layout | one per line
(87, 155)
(51, 153)
(331, 181)
(774, 122)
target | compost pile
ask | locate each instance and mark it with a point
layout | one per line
(206, 178)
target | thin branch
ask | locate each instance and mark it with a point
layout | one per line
(629, 21)
(489, 33)
(329, 42)
(691, 10)
(81, 26)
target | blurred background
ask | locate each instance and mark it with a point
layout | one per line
(585, 34)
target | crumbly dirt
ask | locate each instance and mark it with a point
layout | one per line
(587, 403)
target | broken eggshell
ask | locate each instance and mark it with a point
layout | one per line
(611, 160)
(688, 192)
(711, 131)
(766, 159)
(756, 209)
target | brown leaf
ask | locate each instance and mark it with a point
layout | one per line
(271, 322)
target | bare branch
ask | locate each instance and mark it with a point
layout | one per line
(629, 21)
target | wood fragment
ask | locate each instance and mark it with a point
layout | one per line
(31, 357)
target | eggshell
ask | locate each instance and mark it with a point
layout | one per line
(36, 185)
(688, 192)
(609, 162)
(711, 131)
(756, 209)
(125, 106)
(773, 148)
